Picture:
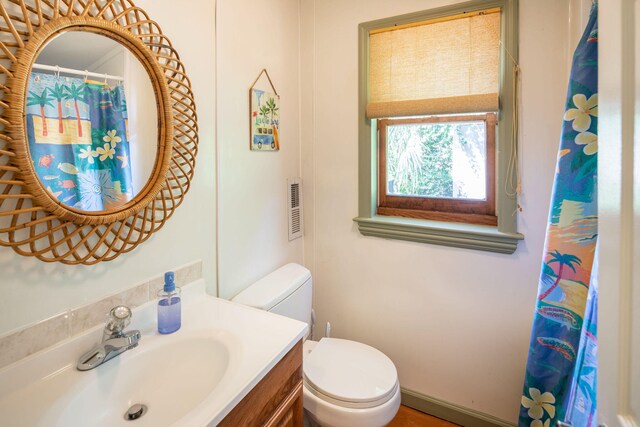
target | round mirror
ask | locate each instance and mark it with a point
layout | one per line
(91, 122)
(91, 165)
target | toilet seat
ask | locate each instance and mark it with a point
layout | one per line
(349, 374)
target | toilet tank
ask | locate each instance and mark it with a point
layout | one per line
(286, 291)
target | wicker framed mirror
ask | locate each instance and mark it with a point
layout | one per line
(35, 220)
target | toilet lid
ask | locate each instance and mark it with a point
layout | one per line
(350, 372)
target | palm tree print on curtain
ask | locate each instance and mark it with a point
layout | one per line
(57, 92)
(76, 93)
(560, 374)
(78, 141)
(42, 100)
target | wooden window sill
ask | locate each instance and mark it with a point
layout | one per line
(458, 235)
(467, 218)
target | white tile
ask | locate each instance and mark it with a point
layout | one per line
(183, 276)
(189, 273)
(33, 338)
(94, 314)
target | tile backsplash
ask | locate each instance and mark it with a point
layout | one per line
(31, 339)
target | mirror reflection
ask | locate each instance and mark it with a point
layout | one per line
(91, 122)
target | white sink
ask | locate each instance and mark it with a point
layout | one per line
(193, 377)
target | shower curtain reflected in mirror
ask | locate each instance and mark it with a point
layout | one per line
(78, 140)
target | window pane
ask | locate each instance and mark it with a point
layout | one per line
(443, 160)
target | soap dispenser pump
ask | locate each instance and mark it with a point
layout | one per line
(169, 315)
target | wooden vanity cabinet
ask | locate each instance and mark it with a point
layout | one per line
(276, 401)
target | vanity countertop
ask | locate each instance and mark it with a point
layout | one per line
(193, 377)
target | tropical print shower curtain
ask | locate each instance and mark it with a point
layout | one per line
(560, 378)
(77, 132)
(581, 406)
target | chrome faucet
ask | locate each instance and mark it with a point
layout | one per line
(114, 340)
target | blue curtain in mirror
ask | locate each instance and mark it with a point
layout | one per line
(78, 139)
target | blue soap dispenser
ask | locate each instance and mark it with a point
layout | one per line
(169, 316)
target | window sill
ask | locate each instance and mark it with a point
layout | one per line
(468, 236)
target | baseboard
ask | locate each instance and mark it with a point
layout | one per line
(450, 412)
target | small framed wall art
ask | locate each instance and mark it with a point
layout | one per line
(264, 116)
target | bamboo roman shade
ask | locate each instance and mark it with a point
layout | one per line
(443, 66)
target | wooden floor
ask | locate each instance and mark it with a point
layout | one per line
(408, 417)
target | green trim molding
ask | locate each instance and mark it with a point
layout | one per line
(503, 238)
(450, 412)
(458, 235)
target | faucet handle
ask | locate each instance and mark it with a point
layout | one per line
(118, 319)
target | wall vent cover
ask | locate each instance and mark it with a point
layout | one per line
(294, 208)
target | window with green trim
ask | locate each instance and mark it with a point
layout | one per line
(436, 132)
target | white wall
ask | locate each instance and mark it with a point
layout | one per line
(33, 290)
(456, 322)
(253, 239)
(143, 120)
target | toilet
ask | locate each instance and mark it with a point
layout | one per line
(346, 383)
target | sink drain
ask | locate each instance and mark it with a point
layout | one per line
(135, 412)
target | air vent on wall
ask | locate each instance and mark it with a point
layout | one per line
(294, 207)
